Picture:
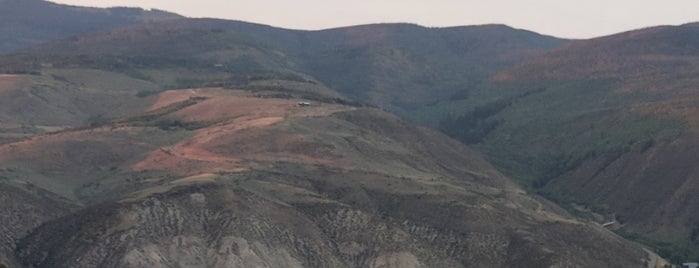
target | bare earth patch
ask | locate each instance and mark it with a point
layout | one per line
(210, 149)
(8, 82)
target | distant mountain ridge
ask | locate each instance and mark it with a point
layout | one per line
(50, 21)
(395, 66)
(621, 56)
(402, 66)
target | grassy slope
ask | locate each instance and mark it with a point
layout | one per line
(397, 66)
(102, 76)
(401, 66)
(608, 123)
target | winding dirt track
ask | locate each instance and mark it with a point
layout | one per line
(232, 113)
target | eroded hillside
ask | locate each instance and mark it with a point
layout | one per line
(220, 178)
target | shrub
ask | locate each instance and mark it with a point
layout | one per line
(146, 93)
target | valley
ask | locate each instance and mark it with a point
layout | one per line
(605, 123)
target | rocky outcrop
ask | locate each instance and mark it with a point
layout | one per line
(215, 225)
(25, 207)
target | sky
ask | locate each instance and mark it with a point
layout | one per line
(561, 18)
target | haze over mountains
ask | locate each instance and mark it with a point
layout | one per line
(180, 142)
(367, 63)
(27, 22)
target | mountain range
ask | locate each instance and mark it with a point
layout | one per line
(28, 22)
(152, 140)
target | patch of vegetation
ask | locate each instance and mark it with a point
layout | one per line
(473, 127)
(238, 80)
(137, 74)
(189, 82)
(146, 93)
(350, 102)
(22, 72)
(647, 145)
(577, 208)
(412, 67)
(274, 95)
(676, 253)
(98, 120)
(605, 136)
(173, 124)
(279, 76)
(244, 65)
(59, 78)
(545, 130)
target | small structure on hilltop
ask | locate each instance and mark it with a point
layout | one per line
(690, 265)
(194, 95)
(304, 103)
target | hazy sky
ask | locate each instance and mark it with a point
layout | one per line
(562, 18)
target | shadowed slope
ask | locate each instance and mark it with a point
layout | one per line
(608, 122)
(402, 66)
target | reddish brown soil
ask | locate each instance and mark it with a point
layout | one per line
(214, 109)
(35, 147)
(8, 83)
(240, 138)
(245, 132)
